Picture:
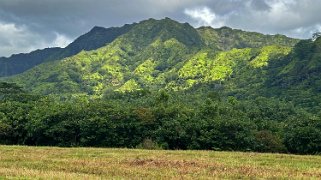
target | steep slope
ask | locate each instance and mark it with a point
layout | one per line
(20, 62)
(158, 54)
(297, 77)
(293, 75)
(112, 65)
(94, 39)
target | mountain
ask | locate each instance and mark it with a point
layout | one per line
(18, 63)
(95, 38)
(165, 84)
(160, 54)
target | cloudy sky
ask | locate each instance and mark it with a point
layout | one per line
(26, 25)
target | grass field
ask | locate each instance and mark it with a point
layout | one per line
(20, 162)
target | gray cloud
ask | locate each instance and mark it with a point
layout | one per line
(43, 23)
(260, 5)
(295, 18)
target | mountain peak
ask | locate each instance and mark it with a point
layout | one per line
(158, 20)
(165, 29)
(97, 28)
(97, 37)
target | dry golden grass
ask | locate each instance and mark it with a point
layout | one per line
(20, 162)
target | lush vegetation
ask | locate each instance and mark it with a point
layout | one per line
(157, 120)
(19, 162)
(156, 54)
(166, 85)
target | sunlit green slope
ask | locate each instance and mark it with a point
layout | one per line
(163, 54)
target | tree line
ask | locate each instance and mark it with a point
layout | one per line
(157, 120)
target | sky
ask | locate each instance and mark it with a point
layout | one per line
(27, 25)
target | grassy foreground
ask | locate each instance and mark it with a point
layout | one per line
(20, 162)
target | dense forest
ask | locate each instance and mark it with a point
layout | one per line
(160, 84)
(160, 120)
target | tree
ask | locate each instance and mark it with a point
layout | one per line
(303, 136)
(162, 97)
(268, 142)
(9, 89)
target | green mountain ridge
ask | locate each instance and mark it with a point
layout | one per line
(164, 54)
(18, 63)
(99, 36)
(156, 54)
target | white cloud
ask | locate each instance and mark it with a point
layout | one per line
(61, 41)
(16, 39)
(302, 32)
(205, 17)
(20, 39)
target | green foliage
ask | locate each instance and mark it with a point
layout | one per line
(303, 135)
(297, 76)
(9, 88)
(162, 119)
(267, 53)
(269, 142)
(145, 71)
(130, 85)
